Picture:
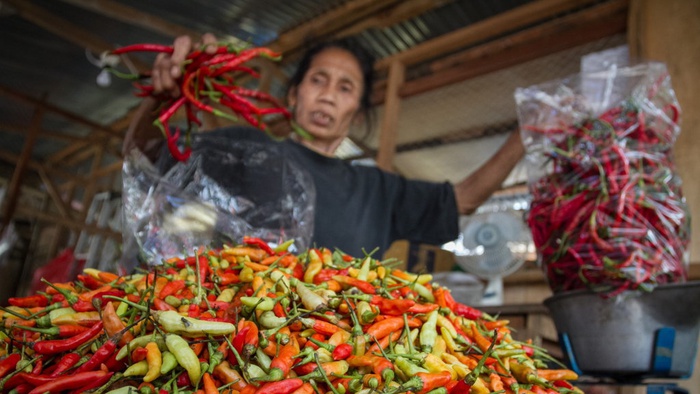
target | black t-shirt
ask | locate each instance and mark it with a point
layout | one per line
(360, 207)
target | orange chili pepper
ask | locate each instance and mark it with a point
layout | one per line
(385, 327)
(209, 385)
(384, 342)
(113, 324)
(228, 375)
(88, 296)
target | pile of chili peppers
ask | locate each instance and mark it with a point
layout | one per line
(208, 83)
(609, 215)
(250, 319)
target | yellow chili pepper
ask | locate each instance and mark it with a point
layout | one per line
(434, 364)
(439, 347)
(449, 341)
(247, 274)
(154, 359)
(456, 365)
(226, 295)
(381, 272)
(314, 267)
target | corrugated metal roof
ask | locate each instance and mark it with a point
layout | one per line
(42, 64)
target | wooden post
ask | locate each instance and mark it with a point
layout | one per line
(390, 122)
(668, 31)
(15, 186)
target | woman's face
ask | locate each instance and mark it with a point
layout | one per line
(328, 98)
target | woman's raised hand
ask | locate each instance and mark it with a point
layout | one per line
(167, 68)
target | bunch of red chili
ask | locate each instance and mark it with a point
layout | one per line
(209, 84)
(252, 319)
(609, 215)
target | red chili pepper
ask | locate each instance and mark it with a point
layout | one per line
(32, 301)
(282, 363)
(67, 362)
(63, 331)
(172, 288)
(193, 311)
(342, 351)
(56, 346)
(83, 306)
(90, 282)
(114, 293)
(101, 355)
(9, 363)
(139, 354)
(160, 305)
(183, 380)
(143, 48)
(70, 382)
(259, 243)
(327, 274)
(35, 379)
(282, 387)
(361, 285)
(98, 382)
(467, 311)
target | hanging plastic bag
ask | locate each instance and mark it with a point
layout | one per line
(229, 188)
(607, 212)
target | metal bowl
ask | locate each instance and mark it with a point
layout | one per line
(632, 336)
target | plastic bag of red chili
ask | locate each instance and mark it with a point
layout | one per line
(607, 212)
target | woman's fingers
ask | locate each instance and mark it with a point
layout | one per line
(209, 43)
(182, 46)
(167, 68)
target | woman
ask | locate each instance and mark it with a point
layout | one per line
(357, 208)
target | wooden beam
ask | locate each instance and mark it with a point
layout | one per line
(14, 189)
(547, 29)
(62, 154)
(66, 222)
(403, 11)
(327, 24)
(543, 46)
(134, 17)
(90, 186)
(53, 193)
(59, 111)
(64, 29)
(492, 27)
(16, 128)
(390, 123)
(83, 154)
(56, 172)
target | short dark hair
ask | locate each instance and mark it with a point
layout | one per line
(364, 59)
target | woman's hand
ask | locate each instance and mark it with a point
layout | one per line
(167, 68)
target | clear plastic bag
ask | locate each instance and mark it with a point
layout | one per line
(228, 189)
(608, 212)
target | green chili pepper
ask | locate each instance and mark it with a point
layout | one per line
(138, 369)
(169, 363)
(428, 332)
(185, 356)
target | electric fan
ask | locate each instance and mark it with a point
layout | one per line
(492, 245)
